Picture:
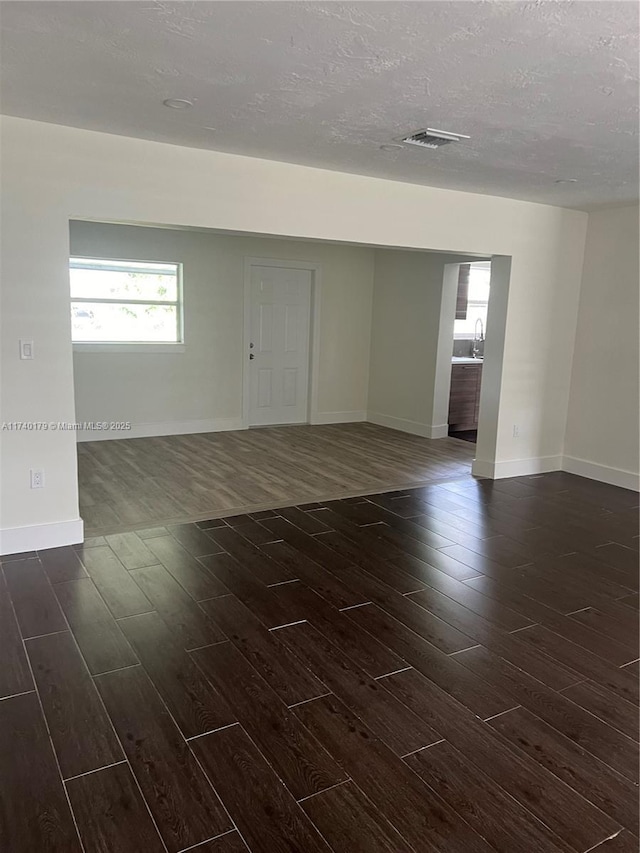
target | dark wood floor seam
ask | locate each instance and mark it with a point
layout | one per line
(97, 770)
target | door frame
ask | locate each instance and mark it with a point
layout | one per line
(484, 464)
(314, 330)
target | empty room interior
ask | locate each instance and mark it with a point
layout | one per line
(320, 427)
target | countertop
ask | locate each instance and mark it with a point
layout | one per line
(460, 359)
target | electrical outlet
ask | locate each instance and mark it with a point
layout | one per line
(37, 478)
(516, 431)
(26, 350)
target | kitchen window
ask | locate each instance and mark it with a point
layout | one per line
(477, 301)
(116, 303)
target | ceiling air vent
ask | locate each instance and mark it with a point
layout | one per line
(431, 138)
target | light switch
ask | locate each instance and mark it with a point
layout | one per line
(26, 349)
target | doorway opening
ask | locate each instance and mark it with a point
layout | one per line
(469, 330)
(184, 338)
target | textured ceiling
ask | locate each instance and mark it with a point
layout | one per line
(546, 90)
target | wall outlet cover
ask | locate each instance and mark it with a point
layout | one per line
(37, 478)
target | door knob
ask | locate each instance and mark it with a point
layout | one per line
(251, 356)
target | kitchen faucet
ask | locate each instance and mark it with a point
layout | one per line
(477, 339)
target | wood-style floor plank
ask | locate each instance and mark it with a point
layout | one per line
(266, 814)
(101, 641)
(281, 669)
(598, 738)
(255, 595)
(624, 842)
(262, 567)
(502, 616)
(395, 578)
(614, 621)
(121, 594)
(439, 560)
(505, 824)
(312, 575)
(253, 532)
(111, 814)
(297, 758)
(582, 661)
(595, 781)
(428, 626)
(193, 539)
(62, 564)
(307, 522)
(131, 550)
(398, 727)
(190, 624)
(364, 650)
(185, 569)
(350, 822)
(185, 808)
(194, 704)
(230, 842)
(573, 819)
(80, 729)
(421, 817)
(616, 712)
(34, 813)
(574, 569)
(15, 676)
(36, 607)
(442, 669)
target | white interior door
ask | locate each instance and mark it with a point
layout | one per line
(280, 309)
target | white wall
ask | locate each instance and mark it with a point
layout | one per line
(51, 174)
(602, 430)
(407, 300)
(200, 389)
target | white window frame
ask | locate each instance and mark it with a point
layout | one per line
(465, 336)
(477, 303)
(177, 346)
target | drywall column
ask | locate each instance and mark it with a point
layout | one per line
(36, 400)
(442, 381)
(484, 465)
(602, 428)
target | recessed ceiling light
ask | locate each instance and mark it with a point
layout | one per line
(566, 181)
(391, 147)
(177, 103)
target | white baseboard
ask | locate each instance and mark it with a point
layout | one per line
(338, 417)
(405, 425)
(604, 473)
(439, 431)
(163, 428)
(37, 537)
(516, 467)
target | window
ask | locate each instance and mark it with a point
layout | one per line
(478, 300)
(125, 302)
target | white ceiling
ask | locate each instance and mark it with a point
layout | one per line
(547, 90)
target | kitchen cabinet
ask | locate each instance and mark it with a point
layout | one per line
(464, 396)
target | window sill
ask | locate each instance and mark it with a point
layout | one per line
(141, 349)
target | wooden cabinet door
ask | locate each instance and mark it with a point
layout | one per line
(464, 395)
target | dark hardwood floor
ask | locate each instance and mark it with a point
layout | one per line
(447, 668)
